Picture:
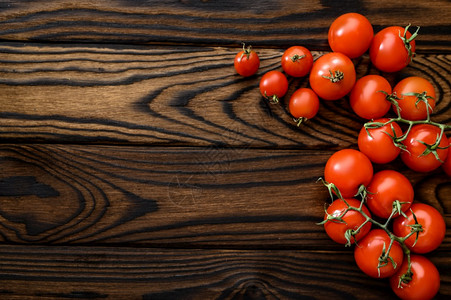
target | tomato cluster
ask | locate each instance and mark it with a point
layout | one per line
(363, 199)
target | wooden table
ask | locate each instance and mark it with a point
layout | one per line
(135, 162)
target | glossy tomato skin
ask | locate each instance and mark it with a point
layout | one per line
(366, 98)
(386, 187)
(297, 61)
(273, 83)
(333, 62)
(425, 282)
(447, 164)
(336, 230)
(350, 34)
(409, 108)
(348, 169)
(432, 222)
(369, 249)
(378, 144)
(413, 156)
(304, 103)
(246, 62)
(388, 52)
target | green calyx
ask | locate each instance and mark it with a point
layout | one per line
(408, 40)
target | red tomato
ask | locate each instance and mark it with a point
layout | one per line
(348, 169)
(297, 61)
(447, 165)
(332, 76)
(432, 223)
(413, 92)
(372, 247)
(247, 62)
(392, 48)
(273, 85)
(378, 143)
(350, 34)
(424, 283)
(414, 156)
(303, 105)
(366, 98)
(353, 220)
(386, 187)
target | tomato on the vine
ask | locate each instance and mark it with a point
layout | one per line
(425, 150)
(273, 85)
(297, 61)
(413, 93)
(348, 170)
(392, 48)
(374, 256)
(246, 62)
(424, 281)
(447, 164)
(378, 144)
(432, 224)
(303, 104)
(350, 34)
(368, 97)
(332, 76)
(352, 220)
(385, 188)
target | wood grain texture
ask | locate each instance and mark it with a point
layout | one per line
(175, 197)
(96, 273)
(171, 96)
(263, 23)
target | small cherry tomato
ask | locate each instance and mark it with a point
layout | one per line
(374, 256)
(368, 97)
(336, 230)
(246, 62)
(447, 164)
(413, 93)
(378, 144)
(424, 283)
(348, 169)
(432, 224)
(332, 76)
(303, 104)
(420, 157)
(350, 34)
(297, 61)
(386, 187)
(392, 48)
(273, 85)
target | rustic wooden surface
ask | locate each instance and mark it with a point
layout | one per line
(135, 163)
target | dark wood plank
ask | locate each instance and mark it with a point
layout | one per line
(170, 96)
(263, 23)
(175, 197)
(93, 272)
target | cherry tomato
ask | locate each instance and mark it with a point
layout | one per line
(378, 143)
(303, 105)
(372, 247)
(351, 220)
(432, 223)
(348, 169)
(425, 282)
(297, 61)
(447, 164)
(350, 34)
(367, 99)
(246, 62)
(273, 85)
(413, 92)
(415, 156)
(386, 187)
(332, 76)
(392, 48)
